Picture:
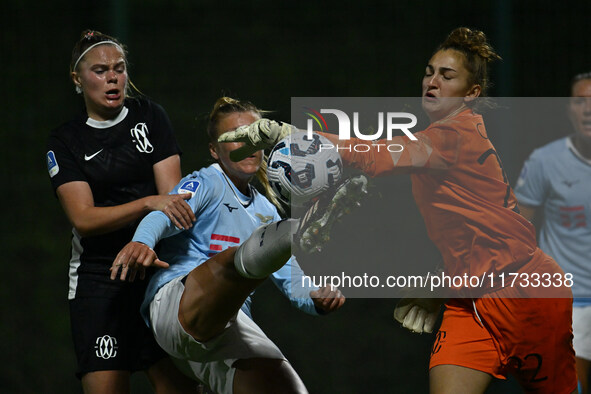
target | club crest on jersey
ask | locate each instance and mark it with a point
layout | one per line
(189, 187)
(264, 218)
(140, 137)
(52, 165)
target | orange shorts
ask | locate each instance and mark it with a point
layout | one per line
(530, 338)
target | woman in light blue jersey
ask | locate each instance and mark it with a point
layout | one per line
(556, 179)
(194, 305)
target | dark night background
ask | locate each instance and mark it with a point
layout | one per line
(184, 55)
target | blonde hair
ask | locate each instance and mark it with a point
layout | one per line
(225, 106)
(90, 38)
(477, 51)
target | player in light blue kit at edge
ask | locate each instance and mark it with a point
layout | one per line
(557, 179)
(196, 306)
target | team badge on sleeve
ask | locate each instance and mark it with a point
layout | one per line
(189, 187)
(52, 165)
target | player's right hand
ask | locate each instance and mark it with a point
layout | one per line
(259, 135)
(327, 299)
(134, 257)
(418, 314)
(175, 207)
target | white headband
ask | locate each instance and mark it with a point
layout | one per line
(94, 45)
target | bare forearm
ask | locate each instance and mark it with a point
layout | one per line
(78, 202)
(100, 220)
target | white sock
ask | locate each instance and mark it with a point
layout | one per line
(266, 250)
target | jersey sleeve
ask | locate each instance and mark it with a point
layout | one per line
(61, 164)
(164, 140)
(532, 184)
(435, 149)
(157, 226)
(289, 279)
(205, 190)
(154, 227)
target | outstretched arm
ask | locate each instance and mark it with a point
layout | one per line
(134, 257)
(139, 253)
(78, 202)
(291, 281)
(433, 151)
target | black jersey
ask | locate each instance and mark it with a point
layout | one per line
(116, 159)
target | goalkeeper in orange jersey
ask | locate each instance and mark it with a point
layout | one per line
(472, 216)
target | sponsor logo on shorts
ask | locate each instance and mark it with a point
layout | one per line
(106, 347)
(439, 341)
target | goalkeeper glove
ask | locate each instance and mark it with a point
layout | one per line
(418, 314)
(262, 134)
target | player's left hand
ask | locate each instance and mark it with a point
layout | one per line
(134, 257)
(418, 314)
(327, 299)
(261, 134)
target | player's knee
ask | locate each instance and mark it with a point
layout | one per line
(200, 328)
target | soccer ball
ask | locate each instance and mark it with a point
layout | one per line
(301, 168)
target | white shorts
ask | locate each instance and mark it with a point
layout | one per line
(582, 331)
(210, 362)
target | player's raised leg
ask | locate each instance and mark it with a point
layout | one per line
(216, 289)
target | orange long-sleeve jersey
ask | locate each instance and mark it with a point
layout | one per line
(462, 192)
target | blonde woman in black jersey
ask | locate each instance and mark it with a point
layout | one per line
(109, 166)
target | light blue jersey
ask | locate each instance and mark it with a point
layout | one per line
(225, 218)
(558, 178)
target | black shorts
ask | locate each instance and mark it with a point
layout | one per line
(110, 334)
